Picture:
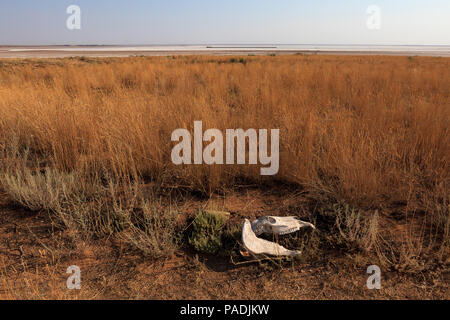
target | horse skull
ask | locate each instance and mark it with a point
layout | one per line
(257, 246)
(278, 225)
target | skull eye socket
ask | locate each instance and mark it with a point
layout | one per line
(272, 220)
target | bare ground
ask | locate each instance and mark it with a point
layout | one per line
(34, 256)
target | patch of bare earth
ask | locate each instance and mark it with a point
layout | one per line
(34, 256)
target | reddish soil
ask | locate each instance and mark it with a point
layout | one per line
(34, 256)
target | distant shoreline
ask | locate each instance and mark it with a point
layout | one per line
(126, 51)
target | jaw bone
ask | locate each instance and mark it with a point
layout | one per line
(257, 246)
(278, 225)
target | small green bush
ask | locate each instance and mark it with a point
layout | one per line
(207, 230)
(240, 60)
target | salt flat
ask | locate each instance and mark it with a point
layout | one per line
(123, 51)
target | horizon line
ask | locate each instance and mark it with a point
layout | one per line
(225, 44)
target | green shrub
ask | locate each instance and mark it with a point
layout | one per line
(236, 60)
(207, 231)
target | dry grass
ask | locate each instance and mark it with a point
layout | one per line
(94, 209)
(39, 283)
(79, 136)
(367, 130)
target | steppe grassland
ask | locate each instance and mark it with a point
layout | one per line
(81, 135)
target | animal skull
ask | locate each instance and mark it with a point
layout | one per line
(257, 246)
(278, 225)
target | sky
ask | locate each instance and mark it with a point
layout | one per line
(171, 22)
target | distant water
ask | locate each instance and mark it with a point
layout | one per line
(404, 48)
(443, 50)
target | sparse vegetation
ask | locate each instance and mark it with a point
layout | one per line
(356, 231)
(207, 232)
(363, 139)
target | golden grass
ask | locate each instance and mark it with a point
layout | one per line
(365, 130)
(78, 136)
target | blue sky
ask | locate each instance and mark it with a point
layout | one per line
(39, 22)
